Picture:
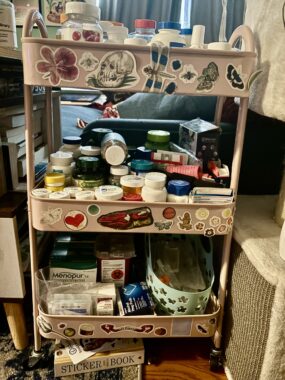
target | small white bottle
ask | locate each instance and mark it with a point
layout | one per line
(169, 34)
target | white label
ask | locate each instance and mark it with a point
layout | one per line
(82, 275)
(8, 37)
(113, 271)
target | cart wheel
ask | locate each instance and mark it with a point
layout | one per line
(216, 360)
(35, 360)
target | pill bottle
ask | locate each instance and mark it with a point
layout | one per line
(88, 173)
(144, 29)
(141, 167)
(8, 25)
(186, 33)
(82, 22)
(114, 149)
(71, 144)
(157, 139)
(169, 34)
(132, 184)
(116, 172)
(178, 191)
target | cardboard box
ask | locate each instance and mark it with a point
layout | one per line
(200, 138)
(129, 352)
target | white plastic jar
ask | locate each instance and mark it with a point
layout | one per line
(71, 144)
(169, 34)
(8, 35)
(82, 22)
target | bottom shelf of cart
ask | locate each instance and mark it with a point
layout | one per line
(143, 326)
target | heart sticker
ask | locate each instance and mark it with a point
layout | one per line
(75, 220)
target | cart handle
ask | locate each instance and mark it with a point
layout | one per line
(34, 17)
(245, 33)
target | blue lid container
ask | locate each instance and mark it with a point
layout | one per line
(141, 165)
(169, 25)
(142, 153)
(178, 187)
(186, 31)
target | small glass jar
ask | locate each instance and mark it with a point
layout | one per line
(132, 184)
(82, 22)
(116, 172)
(157, 139)
(114, 149)
(141, 167)
(88, 173)
(71, 144)
(169, 34)
(144, 29)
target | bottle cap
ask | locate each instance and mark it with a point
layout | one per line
(169, 25)
(141, 165)
(87, 163)
(186, 31)
(119, 170)
(72, 140)
(155, 180)
(158, 136)
(144, 23)
(97, 134)
(115, 155)
(178, 187)
(82, 8)
(90, 150)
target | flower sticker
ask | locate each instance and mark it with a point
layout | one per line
(215, 221)
(188, 74)
(209, 232)
(226, 213)
(202, 213)
(222, 228)
(199, 226)
(88, 62)
(58, 65)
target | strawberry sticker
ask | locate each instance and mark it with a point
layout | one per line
(75, 220)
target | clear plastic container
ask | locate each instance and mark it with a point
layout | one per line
(169, 34)
(82, 22)
(117, 34)
(144, 29)
(114, 149)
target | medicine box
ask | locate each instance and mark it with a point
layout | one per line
(201, 138)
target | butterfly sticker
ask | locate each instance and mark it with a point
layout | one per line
(234, 77)
(163, 225)
(51, 216)
(208, 78)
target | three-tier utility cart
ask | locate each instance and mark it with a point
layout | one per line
(54, 63)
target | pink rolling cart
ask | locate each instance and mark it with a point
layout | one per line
(54, 63)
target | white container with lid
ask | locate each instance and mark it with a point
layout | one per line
(89, 150)
(59, 195)
(116, 172)
(61, 158)
(178, 191)
(108, 193)
(155, 180)
(8, 34)
(72, 190)
(154, 195)
(41, 193)
(114, 149)
(82, 23)
(169, 34)
(85, 195)
(71, 144)
(186, 33)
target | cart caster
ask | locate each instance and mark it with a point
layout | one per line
(35, 360)
(216, 360)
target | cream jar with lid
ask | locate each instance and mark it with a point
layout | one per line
(153, 195)
(132, 184)
(116, 172)
(155, 180)
(108, 193)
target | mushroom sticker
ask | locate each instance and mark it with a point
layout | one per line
(115, 70)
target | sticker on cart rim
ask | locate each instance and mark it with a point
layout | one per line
(93, 210)
(75, 220)
(110, 328)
